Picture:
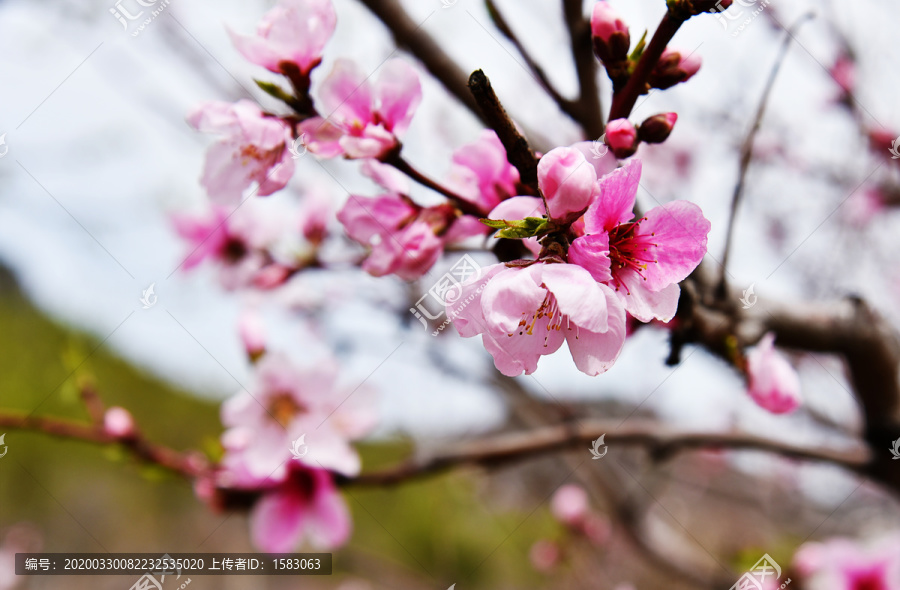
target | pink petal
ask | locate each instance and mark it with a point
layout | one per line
(469, 319)
(277, 177)
(595, 353)
(364, 217)
(679, 230)
(579, 297)
(299, 30)
(321, 137)
(277, 520)
(329, 524)
(463, 228)
(592, 253)
(520, 353)
(398, 93)
(386, 176)
(256, 50)
(510, 297)
(213, 117)
(346, 96)
(644, 304)
(566, 180)
(615, 204)
(598, 155)
(374, 142)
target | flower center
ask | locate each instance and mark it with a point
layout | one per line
(549, 308)
(630, 250)
(284, 409)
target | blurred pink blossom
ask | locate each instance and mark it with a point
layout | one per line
(845, 564)
(252, 149)
(252, 332)
(292, 33)
(285, 403)
(481, 173)
(363, 120)
(544, 555)
(570, 504)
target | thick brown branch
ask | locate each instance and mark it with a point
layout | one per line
(661, 443)
(517, 151)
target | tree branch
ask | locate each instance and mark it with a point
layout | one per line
(662, 444)
(517, 151)
(183, 464)
(589, 111)
(408, 35)
(623, 101)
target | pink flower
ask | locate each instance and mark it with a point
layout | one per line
(674, 67)
(292, 34)
(774, 384)
(482, 174)
(286, 403)
(117, 422)
(570, 504)
(305, 505)
(238, 243)
(526, 312)
(643, 260)
(567, 182)
(610, 34)
(316, 211)
(363, 120)
(252, 149)
(844, 564)
(621, 137)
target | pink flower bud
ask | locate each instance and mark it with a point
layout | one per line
(118, 423)
(570, 505)
(656, 129)
(252, 334)
(621, 137)
(844, 73)
(610, 33)
(774, 384)
(567, 182)
(673, 68)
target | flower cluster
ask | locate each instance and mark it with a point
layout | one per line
(596, 263)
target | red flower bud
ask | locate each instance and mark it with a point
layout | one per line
(656, 129)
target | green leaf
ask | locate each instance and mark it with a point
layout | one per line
(639, 48)
(276, 91)
(518, 229)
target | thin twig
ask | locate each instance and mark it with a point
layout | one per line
(623, 101)
(747, 148)
(589, 108)
(459, 202)
(151, 453)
